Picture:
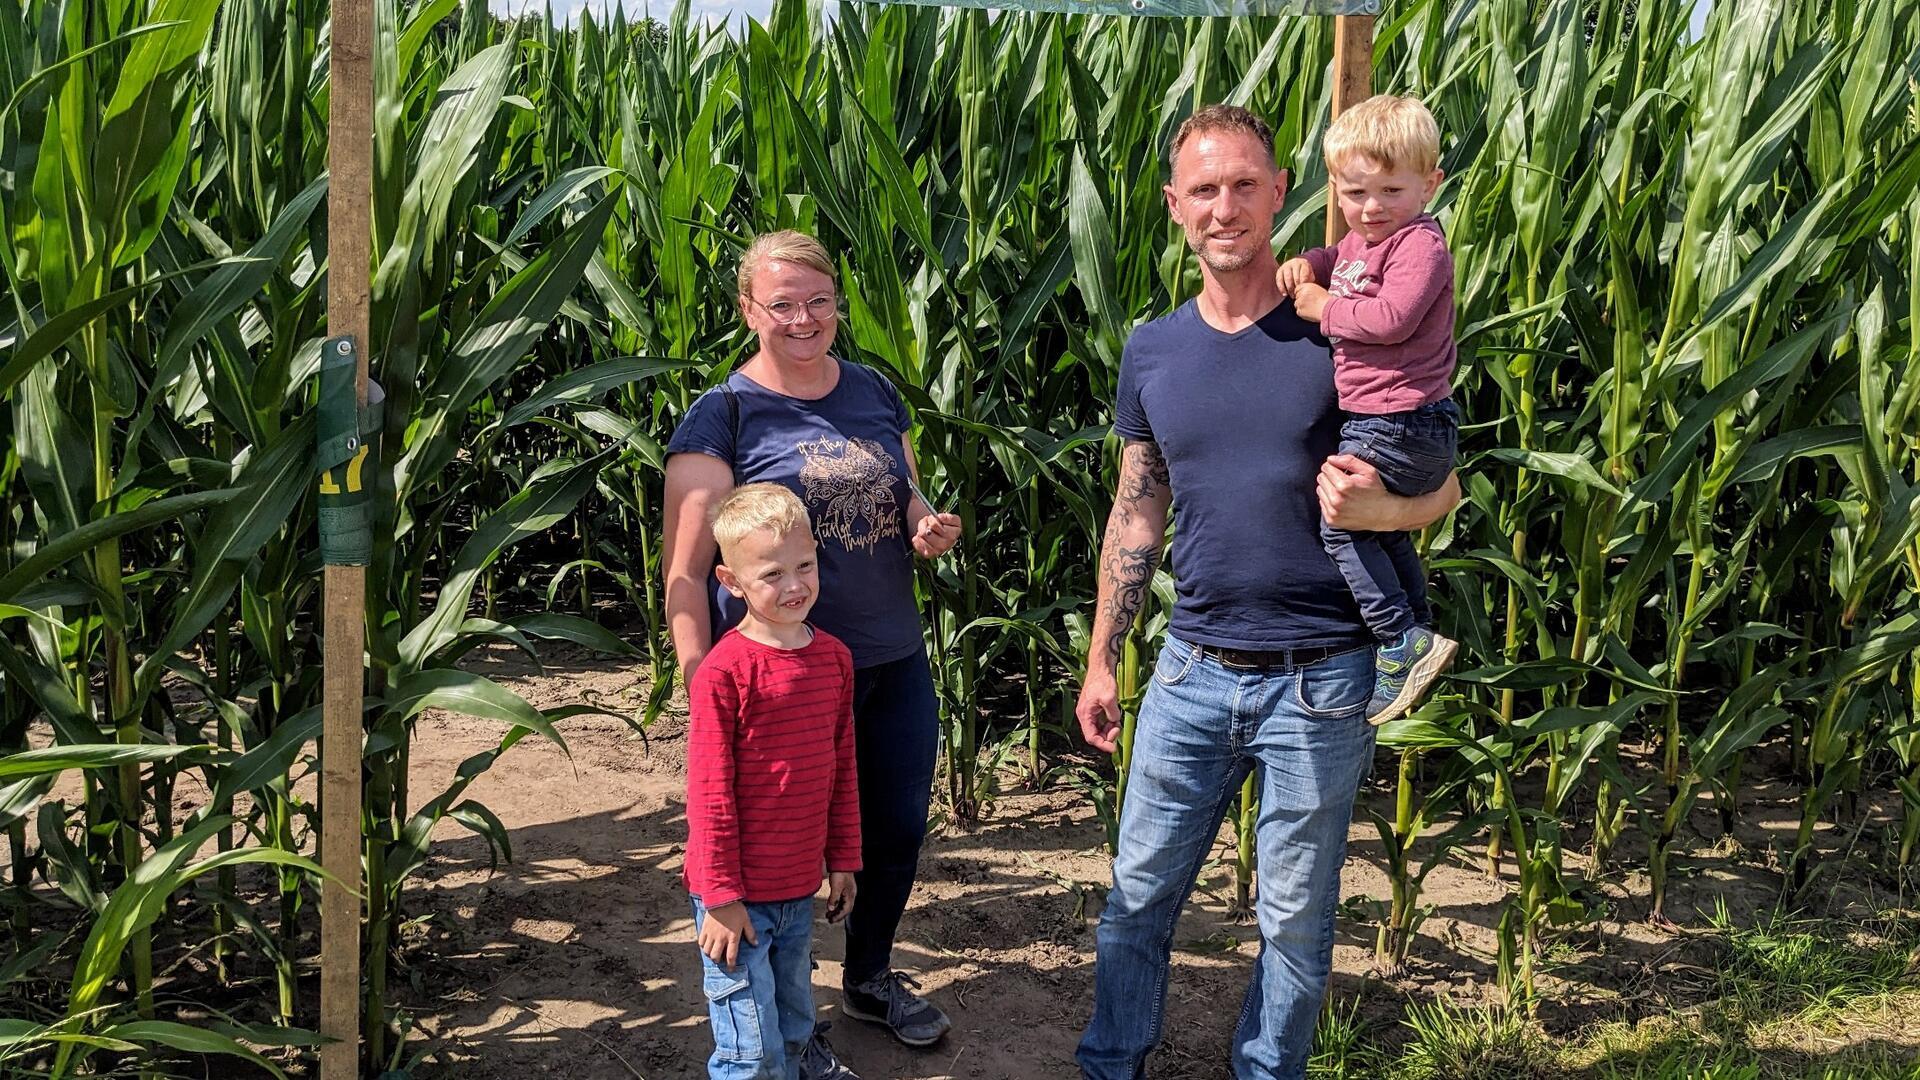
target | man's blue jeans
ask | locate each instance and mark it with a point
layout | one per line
(1202, 727)
(762, 1008)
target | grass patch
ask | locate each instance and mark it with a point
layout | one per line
(1686, 1060)
(1441, 1041)
(1340, 1044)
(1795, 1000)
(1473, 1042)
(1805, 971)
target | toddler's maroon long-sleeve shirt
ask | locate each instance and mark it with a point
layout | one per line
(1390, 317)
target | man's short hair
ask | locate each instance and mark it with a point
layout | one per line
(1392, 132)
(750, 508)
(784, 245)
(1217, 119)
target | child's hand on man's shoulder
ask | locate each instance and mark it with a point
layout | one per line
(1294, 273)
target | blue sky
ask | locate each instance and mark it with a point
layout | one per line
(570, 9)
(758, 9)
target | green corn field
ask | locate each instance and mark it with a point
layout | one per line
(1688, 561)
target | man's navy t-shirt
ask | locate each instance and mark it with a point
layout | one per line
(843, 455)
(1244, 421)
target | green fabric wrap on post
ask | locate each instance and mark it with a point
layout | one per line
(345, 460)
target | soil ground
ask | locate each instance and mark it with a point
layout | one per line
(576, 958)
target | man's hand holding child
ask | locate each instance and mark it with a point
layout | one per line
(721, 931)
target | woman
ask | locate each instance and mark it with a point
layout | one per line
(834, 432)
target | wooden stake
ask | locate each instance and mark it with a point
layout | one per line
(349, 287)
(1352, 84)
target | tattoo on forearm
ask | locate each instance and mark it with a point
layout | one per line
(1128, 573)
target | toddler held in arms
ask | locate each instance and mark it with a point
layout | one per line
(1384, 298)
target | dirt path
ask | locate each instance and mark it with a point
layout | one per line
(576, 959)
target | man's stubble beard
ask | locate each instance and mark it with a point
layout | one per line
(1217, 262)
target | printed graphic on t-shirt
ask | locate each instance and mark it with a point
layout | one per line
(1349, 278)
(849, 490)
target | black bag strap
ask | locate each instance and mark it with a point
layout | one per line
(733, 426)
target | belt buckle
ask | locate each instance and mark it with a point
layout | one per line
(1241, 660)
(1282, 660)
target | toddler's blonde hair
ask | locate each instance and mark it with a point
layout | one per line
(752, 507)
(1392, 132)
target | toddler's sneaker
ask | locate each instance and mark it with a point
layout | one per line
(817, 1061)
(1405, 669)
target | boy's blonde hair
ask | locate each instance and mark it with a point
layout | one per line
(752, 507)
(1392, 132)
(785, 245)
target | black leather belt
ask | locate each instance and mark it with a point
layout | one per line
(1273, 659)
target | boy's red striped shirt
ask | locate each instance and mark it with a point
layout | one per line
(771, 790)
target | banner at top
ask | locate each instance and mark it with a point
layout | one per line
(1167, 8)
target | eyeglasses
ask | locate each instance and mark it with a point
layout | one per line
(787, 312)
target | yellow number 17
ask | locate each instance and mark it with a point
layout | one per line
(328, 487)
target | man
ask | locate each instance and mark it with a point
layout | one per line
(1228, 410)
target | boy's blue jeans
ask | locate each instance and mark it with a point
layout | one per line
(1414, 452)
(1202, 727)
(762, 1009)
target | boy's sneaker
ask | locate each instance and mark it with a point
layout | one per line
(889, 1000)
(817, 1061)
(1405, 669)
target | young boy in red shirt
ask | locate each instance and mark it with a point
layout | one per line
(771, 796)
(1383, 296)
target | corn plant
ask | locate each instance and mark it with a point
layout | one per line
(159, 392)
(1688, 334)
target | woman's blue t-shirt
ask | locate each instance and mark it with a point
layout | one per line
(843, 455)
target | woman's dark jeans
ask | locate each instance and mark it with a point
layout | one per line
(896, 732)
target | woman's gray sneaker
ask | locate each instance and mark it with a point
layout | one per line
(817, 1061)
(889, 1000)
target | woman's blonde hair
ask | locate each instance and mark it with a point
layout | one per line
(1392, 132)
(786, 245)
(752, 507)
